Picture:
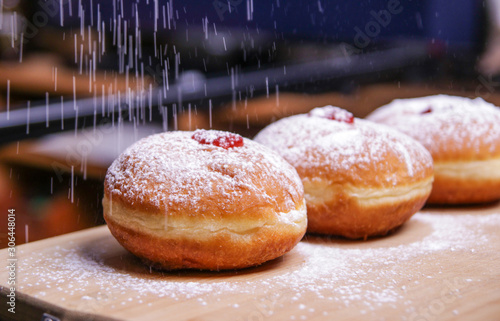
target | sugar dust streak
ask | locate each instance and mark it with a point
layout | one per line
(72, 186)
(8, 94)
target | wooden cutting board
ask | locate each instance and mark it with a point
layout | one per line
(444, 264)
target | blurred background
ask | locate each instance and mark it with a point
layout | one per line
(82, 80)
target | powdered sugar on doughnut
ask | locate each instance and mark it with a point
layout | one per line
(172, 170)
(333, 113)
(457, 127)
(221, 139)
(315, 143)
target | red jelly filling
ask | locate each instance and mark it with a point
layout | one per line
(333, 113)
(427, 110)
(217, 138)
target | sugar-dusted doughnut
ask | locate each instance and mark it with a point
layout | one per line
(463, 136)
(360, 179)
(205, 200)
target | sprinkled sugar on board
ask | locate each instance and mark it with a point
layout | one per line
(444, 264)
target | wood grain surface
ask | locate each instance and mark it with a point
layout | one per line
(444, 264)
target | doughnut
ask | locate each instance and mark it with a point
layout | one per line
(463, 137)
(207, 200)
(360, 179)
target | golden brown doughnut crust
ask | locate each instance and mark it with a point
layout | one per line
(448, 190)
(221, 251)
(177, 203)
(355, 221)
(360, 179)
(456, 131)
